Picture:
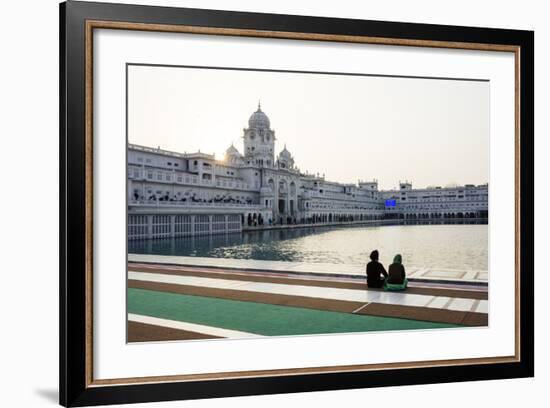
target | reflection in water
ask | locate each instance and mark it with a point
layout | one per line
(436, 246)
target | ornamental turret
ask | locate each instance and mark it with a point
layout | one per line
(259, 140)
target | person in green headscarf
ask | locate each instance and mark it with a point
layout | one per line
(397, 279)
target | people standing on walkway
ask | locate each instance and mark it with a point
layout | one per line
(376, 274)
(397, 279)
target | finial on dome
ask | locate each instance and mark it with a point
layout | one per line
(258, 119)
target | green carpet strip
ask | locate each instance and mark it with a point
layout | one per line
(260, 318)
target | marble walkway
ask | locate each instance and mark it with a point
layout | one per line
(331, 293)
(473, 277)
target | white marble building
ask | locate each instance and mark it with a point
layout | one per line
(179, 194)
(468, 201)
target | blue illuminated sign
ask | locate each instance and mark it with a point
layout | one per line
(390, 203)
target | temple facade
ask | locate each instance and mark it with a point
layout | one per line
(187, 194)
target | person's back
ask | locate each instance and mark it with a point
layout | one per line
(375, 272)
(396, 275)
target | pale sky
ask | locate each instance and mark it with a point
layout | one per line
(427, 131)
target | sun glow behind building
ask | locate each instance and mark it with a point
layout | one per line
(346, 127)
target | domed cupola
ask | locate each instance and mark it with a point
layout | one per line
(285, 159)
(285, 154)
(259, 140)
(232, 151)
(259, 119)
(233, 156)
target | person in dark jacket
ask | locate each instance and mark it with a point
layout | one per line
(396, 271)
(376, 274)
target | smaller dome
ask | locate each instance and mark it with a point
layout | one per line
(232, 151)
(285, 154)
(259, 119)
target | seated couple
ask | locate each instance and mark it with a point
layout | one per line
(377, 277)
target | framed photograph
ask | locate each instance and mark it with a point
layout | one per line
(256, 203)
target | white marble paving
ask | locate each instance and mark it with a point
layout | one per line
(463, 305)
(483, 307)
(440, 302)
(483, 276)
(470, 275)
(405, 299)
(413, 272)
(304, 267)
(355, 295)
(449, 274)
(197, 328)
(274, 288)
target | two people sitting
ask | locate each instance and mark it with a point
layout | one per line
(377, 277)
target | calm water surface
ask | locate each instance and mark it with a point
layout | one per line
(433, 246)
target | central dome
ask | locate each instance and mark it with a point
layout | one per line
(258, 119)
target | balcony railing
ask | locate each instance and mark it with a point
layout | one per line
(193, 204)
(185, 179)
